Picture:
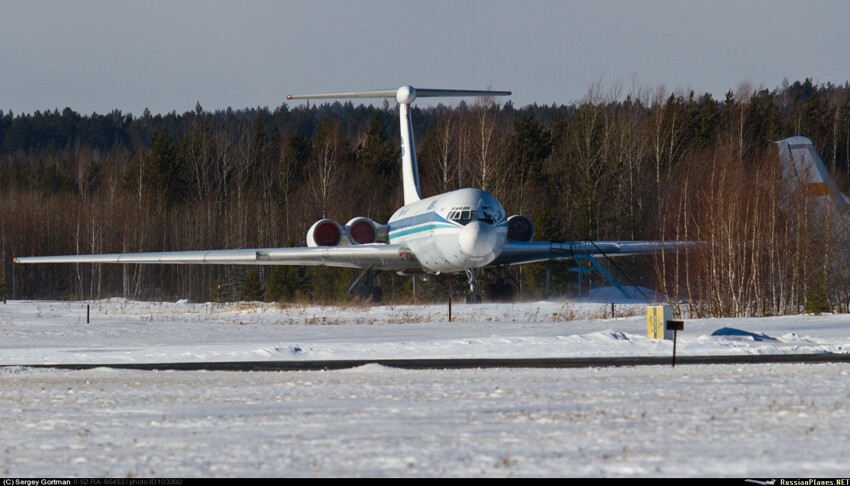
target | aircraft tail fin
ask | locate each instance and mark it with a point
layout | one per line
(802, 164)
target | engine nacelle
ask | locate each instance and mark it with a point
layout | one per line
(324, 232)
(362, 231)
(520, 228)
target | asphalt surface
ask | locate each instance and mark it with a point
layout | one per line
(438, 364)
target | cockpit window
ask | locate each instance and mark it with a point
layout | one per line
(484, 216)
(466, 215)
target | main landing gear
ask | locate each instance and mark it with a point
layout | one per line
(365, 287)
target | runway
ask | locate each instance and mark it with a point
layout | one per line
(454, 364)
(537, 389)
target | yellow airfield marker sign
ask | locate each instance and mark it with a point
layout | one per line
(656, 322)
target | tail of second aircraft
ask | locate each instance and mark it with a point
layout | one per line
(802, 165)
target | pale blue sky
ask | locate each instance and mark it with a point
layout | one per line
(99, 55)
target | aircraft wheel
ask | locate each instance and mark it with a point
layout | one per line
(377, 295)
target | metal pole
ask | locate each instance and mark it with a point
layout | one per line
(450, 308)
(88, 314)
(675, 334)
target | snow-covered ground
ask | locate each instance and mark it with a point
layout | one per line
(41, 332)
(752, 420)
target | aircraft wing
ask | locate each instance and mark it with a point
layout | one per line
(378, 257)
(541, 251)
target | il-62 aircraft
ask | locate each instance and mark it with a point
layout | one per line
(460, 231)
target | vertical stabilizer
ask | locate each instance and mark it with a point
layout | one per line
(409, 168)
(802, 165)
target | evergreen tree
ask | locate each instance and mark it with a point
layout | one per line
(252, 287)
(219, 291)
(378, 159)
(707, 120)
(377, 153)
(328, 284)
(286, 284)
(817, 299)
(845, 130)
(291, 172)
(816, 118)
(529, 145)
(294, 156)
(165, 165)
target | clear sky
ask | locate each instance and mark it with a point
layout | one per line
(100, 55)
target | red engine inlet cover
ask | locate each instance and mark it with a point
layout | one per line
(362, 233)
(327, 234)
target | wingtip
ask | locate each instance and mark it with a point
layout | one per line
(289, 97)
(15, 260)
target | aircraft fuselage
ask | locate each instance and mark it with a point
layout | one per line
(451, 232)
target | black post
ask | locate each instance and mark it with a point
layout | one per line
(675, 326)
(612, 310)
(450, 308)
(675, 334)
(88, 314)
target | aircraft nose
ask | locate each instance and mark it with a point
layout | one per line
(478, 239)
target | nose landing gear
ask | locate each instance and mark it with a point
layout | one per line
(501, 291)
(473, 297)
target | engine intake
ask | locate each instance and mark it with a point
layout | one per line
(324, 232)
(361, 231)
(520, 228)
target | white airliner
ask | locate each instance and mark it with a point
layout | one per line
(459, 231)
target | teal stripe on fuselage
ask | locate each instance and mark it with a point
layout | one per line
(423, 222)
(419, 229)
(419, 223)
(429, 217)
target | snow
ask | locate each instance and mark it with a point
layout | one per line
(746, 420)
(42, 332)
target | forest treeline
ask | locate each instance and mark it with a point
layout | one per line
(636, 163)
